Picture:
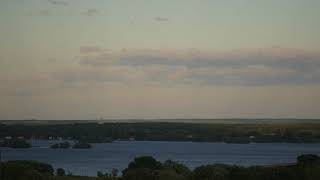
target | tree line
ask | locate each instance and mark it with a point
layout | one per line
(107, 132)
(148, 168)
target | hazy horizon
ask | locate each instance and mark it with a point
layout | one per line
(168, 59)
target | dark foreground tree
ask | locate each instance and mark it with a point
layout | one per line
(211, 172)
(148, 168)
(61, 172)
(25, 170)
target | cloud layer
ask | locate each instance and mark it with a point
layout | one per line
(271, 66)
(167, 83)
(96, 67)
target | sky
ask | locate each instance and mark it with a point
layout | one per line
(131, 59)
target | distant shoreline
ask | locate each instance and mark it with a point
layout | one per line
(94, 132)
(177, 120)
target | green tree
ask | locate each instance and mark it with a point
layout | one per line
(308, 160)
(114, 172)
(279, 173)
(178, 168)
(169, 174)
(100, 174)
(211, 172)
(26, 170)
(139, 174)
(60, 172)
(145, 162)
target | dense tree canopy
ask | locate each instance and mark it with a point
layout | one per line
(148, 168)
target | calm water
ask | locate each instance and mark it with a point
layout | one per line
(118, 154)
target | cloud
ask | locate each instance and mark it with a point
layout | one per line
(92, 49)
(92, 77)
(91, 12)
(271, 66)
(43, 12)
(105, 59)
(161, 19)
(58, 3)
(265, 81)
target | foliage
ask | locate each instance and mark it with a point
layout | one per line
(211, 172)
(114, 172)
(139, 174)
(177, 168)
(308, 160)
(61, 172)
(145, 162)
(25, 170)
(148, 168)
(100, 174)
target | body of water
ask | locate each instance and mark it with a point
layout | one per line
(106, 156)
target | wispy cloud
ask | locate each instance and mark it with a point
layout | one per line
(90, 12)
(161, 19)
(92, 49)
(43, 12)
(58, 3)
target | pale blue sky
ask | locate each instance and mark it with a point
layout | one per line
(159, 58)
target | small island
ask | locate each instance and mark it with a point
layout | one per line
(82, 145)
(15, 143)
(63, 145)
